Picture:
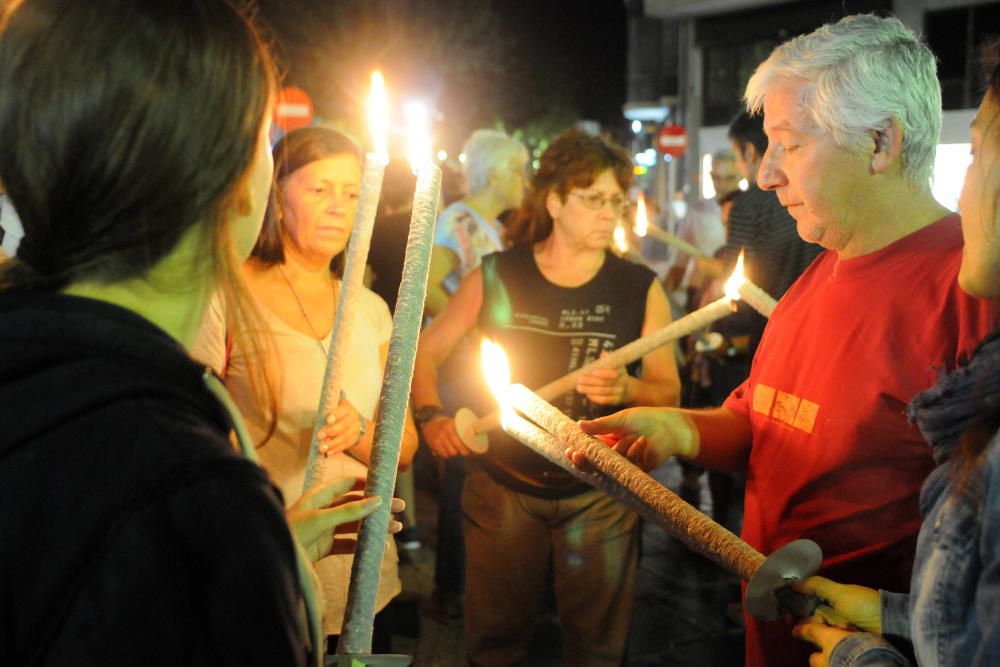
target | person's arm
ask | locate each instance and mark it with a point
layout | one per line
(659, 384)
(436, 343)
(987, 590)
(343, 430)
(844, 648)
(710, 267)
(316, 515)
(848, 608)
(443, 262)
(718, 439)
(353, 432)
(408, 448)
(845, 604)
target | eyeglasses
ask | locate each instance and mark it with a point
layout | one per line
(595, 201)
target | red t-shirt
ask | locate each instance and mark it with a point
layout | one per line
(834, 459)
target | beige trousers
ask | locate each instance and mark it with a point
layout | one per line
(587, 544)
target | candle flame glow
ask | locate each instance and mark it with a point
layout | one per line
(621, 243)
(419, 145)
(378, 121)
(496, 370)
(736, 280)
(641, 218)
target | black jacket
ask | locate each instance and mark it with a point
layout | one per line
(131, 531)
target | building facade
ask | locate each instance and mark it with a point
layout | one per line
(689, 61)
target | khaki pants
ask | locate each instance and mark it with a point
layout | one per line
(514, 542)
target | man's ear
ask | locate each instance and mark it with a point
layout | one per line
(752, 157)
(553, 204)
(888, 146)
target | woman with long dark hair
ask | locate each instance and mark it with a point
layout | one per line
(135, 148)
(952, 611)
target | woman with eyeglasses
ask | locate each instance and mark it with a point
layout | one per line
(555, 301)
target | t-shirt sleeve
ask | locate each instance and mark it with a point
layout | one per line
(865, 649)
(209, 345)
(738, 400)
(447, 233)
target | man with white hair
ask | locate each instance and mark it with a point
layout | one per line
(495, 172)
(853, 113)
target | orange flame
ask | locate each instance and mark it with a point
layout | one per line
(641, 218)
(736, 280)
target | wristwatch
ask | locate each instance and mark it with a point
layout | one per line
(425, 413)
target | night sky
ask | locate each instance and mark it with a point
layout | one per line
(533, 65)
(580, 45)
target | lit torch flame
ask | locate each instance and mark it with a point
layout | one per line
(419, 144)
(736, 280)
(377, 116)
(496, 370)
(621, 243)
(641, 219)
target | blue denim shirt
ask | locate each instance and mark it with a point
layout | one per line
(952, 613)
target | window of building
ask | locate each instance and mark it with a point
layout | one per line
(955, 35)
(734, 44)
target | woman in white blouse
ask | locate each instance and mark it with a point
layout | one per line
(294, 276)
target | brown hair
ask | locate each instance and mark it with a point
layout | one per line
(292, 152)
(982, 429)
(573, 160)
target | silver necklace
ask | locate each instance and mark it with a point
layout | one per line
(302, 309)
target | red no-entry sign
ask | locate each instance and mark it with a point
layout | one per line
(672, 140)
(293, 109)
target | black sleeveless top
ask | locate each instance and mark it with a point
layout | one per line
(548, 331)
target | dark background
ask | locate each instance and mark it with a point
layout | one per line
(531, 67)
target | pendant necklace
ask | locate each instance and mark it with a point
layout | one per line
(305, 315)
